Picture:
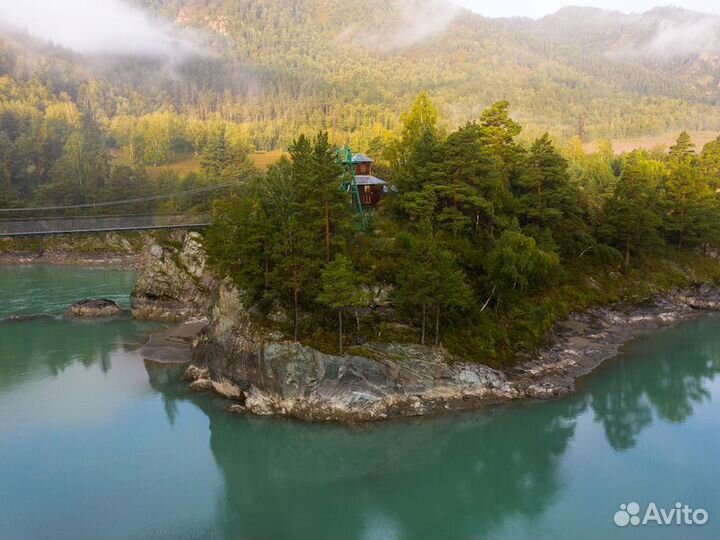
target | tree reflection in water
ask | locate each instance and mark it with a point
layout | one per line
(666, 376)
(286, 479)
(469, 475)
(52, 345)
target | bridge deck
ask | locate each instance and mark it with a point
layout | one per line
(94, 224)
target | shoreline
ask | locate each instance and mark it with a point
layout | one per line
(114, 261)
(265, 373)
(268, 375)
(585, 341)
(578, 346)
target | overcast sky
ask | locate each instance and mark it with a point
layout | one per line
(94, 26)
(535, 8)
(116, 26)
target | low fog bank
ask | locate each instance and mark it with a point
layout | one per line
(99, 27)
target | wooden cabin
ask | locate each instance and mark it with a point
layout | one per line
(371, 188)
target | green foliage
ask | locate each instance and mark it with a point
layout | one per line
(548, 201)
(341, 285)
(485, 243)
(485, 233)
(283, 68)
(341, 289)
(516, 264)
(277, 236)
(280, 68)
(691, 202)
(429, 280)
(631, 218)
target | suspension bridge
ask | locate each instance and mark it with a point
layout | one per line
(113, 216)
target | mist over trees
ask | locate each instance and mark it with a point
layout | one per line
(270, 70)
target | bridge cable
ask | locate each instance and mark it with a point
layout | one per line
(126, 201)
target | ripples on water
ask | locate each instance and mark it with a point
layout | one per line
(33, 290)
(96, 444)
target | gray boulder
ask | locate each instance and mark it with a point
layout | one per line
(93, 308)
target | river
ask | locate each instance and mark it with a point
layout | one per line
(97, 444)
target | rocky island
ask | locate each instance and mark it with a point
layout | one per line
(240, 355)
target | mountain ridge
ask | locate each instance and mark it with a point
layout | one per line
(277, 68)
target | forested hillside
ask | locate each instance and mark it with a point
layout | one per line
(607, 74)
(484, 242)
(252, 74)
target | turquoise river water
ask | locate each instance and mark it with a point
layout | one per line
(97, 444)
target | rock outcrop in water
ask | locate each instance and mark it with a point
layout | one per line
(270, 375)
(240, 356)
(93, 308)
(173, 284)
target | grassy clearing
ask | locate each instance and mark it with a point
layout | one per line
(263, 160)
(700, 138)
(183, 164)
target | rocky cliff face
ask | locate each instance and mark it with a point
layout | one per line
(267, 374)
(173, 282)
(240, 356)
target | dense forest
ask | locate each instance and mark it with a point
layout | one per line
(82, 127)
(491, 227)
(493, 231)
(58, 146)
(484, 242)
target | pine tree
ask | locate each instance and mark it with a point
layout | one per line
(326, 192)
(430, 279)
(413, 280)
(631, 218)
(474, 186)
(710, 163)
(318, 208)
(685, 191)
(688, 194)
(417, 198)
(499, 132)
(215, 156)
(448, 285)
(547, 199)
(683, 149)
(341, 290)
